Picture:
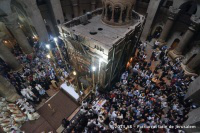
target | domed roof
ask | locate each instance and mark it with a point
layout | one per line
(117, 12)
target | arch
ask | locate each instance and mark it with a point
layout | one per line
(189, 8)
(175, 43)
(188, 61)
(117, 12)
(157, 31)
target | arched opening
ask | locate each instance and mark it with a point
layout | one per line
(124, 14)
(109, 12)
(188, 61)
(117, 12)
(187, 10)
(157, 32)
(175, 43)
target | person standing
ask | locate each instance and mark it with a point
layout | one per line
(156, 44)
(41, 91)
(153, 56)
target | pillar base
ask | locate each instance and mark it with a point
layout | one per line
(188, 71)
(173, 55)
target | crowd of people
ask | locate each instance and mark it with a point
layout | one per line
(146, 98)
(150, 93)
(37, 73)
(31, 82)
(13, 115)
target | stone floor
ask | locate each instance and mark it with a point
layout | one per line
(50, 92)
(62, 106)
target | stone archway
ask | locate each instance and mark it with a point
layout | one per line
(174, 44)
(189, 7)
(157, 31)
(124, 15)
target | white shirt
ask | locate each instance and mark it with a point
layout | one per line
(157, 43)
(113, 116)
(145, 44)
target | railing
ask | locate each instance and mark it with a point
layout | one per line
(76, 21)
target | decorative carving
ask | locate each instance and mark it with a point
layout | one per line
(173, 12)
(195, 22)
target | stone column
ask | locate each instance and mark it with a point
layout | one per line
(178, 51)
(75, 8)
(112, 18)
(120, 17)
(8, 57)
(151, 12)
(127, 15)
(172, 16)
(193, 64)
(57, 10)
(93, 5)
(37, 20)
(11, 22)
(106, 15)
(7, 90)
